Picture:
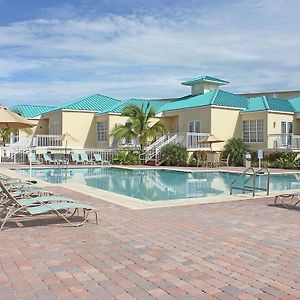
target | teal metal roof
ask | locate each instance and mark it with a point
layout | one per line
(31, 111)
(118, 107)
(95, 102)
(269, 103)
(205, 79)
(295, 103)
(217, 97)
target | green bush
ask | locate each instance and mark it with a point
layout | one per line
(288, 161)
(126, 158)
(174, 155)
(237, 149)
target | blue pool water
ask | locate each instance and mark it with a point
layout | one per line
(153, 185)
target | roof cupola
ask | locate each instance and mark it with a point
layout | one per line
(204, 84)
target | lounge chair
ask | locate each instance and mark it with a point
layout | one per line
(99, 160)
(58, 159)
(33, 159)
(288, 200)
(56, 205)
(48, 159)
(75, 158)
(85, 159)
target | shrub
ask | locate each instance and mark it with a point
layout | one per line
(236, 148)
(174, 155)
(126, 158)
(288, 161)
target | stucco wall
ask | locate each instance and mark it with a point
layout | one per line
(225, 124)
(202, 114)
(80, 125)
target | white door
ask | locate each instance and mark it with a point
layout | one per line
(286, 133)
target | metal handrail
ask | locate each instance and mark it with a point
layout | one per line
(253, 175)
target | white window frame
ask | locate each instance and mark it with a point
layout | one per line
(194, 124)
(253, 131)
(102, 131)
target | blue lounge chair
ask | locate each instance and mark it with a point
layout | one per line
(85, 159)
(99, 160)
(58, 159)
(33, 159)
(75, 158)
(56, 205)
(48, 159)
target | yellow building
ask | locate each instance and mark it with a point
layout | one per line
(262, 122)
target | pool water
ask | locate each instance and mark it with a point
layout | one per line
(153, 185)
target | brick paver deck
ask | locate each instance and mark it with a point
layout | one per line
(234, 250)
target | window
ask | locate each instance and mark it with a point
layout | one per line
(194, 126)
(54, 128)
(253, 131)
(102, 131)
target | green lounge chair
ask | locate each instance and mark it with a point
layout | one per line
(47, 158)
(75, 158)
(85, 158)
(99, 160)
(58, 159)
(33, 159)
(56, 205)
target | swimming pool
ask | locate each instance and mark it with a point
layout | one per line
(158, 184)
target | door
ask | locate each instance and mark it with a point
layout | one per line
(286, 133)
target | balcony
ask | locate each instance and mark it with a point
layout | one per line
(284, 141)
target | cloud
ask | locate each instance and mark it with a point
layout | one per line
(135, 55)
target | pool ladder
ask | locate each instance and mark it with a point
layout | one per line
(252, 175)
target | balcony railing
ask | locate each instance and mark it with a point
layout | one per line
(284, 141)
(47, 141)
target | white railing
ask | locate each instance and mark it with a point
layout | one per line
(151, 150)
(192, 140)
(284, 141)
(47, 140)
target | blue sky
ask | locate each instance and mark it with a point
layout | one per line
(56, 51)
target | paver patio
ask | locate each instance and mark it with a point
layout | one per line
(230, 250)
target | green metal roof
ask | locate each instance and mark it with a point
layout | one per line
(31, 111)
(268, 103)
(217, 97)
(95, 102)
(295, 103)
(205, 79)
(118, 107)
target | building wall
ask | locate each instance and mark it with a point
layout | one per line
(202, 113)
(80, 125)
(54, 117)
(225, 124)
(274, 125)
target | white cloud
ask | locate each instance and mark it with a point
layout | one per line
(249, 43)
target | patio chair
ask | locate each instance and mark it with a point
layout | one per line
(57, 205)
(58, 159)
(290, 198)
(75, 158)
(33, 159)
(98, 159)
(47, 158)
(86, 159)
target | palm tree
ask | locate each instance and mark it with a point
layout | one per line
(139, 125)
(5, 134)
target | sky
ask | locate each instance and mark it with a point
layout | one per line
(55, 51)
